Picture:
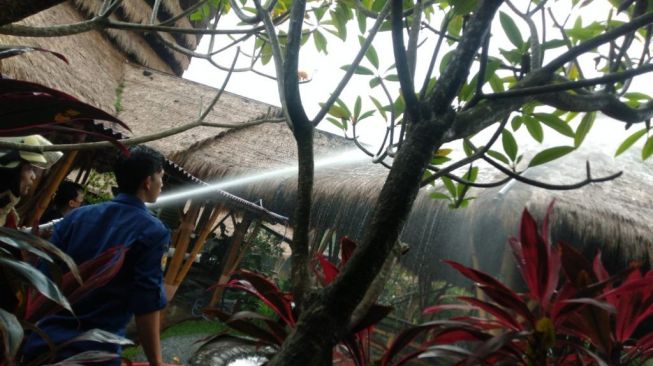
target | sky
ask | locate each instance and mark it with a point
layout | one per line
(324, 74)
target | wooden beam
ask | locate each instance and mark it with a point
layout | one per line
(181, 239)
(206, 230)
(232, 256)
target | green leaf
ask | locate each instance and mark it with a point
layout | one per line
(550, 154)
(360, 70)
(516, 122)
(463, 7)
(451, 187)
(647, 150)
(445, 61)
(375, 81)
(534, 128)
(357, 107)
(392, 77)
(509, 144)
(637, 96)
(11, 332)
(555, 123)
(499, 156)
(370, 54)
(336, 122)
(439, 196)
(584, 127)
(629, 141)
(467, 147)
(367, 114)
(362, 22)
(554, 43)
(339, 112)
(471, 175)
(379, 107)
(439, 160)
(320, 42)
(37, 279)
(511, 29)
(319, 12)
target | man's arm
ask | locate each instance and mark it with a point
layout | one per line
(148, 329)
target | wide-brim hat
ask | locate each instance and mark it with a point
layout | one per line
(10, 158)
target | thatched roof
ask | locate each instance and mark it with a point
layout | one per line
(146, 49)
(153, 101)
(612, 216)
(95, 67)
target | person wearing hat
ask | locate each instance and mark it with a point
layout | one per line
(18, 172)
(17, 175)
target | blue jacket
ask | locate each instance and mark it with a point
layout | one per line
(137, 289)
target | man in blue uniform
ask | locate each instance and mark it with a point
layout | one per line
(137, 289)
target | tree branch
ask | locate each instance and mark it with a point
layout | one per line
(350, 72)
(554, 187)
(401, 61)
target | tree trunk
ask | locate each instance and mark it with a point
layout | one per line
(327, 316)
(302, 215)
(15, 10)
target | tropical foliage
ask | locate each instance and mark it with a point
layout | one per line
(273, 330)
(31, 108)
(573, 312)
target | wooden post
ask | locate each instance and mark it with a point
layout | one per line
(232, 256)
(182, 238)
(51, 185)
(199, 244)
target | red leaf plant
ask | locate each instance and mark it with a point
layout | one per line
(271, 331)
(573, 312)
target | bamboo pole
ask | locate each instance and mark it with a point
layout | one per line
(51, 185)
(232, 255)
(181, 240)
(199, 244)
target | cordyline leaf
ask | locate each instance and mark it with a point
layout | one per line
(501, 315)
(535, 259)
(328, 270)
(404, 338)
(490, 346)
(11, 332)
(434, 309)
(497, 291)
(71, 131)
(7, 51)
(267, 291)
(37, 279)
(449, 352)
(98, 335)
(94, 274)
(18, 98)
(457, 334)
(347, 247)
(576, 267)
(241, 323)
(87, 357)
(42, 245)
